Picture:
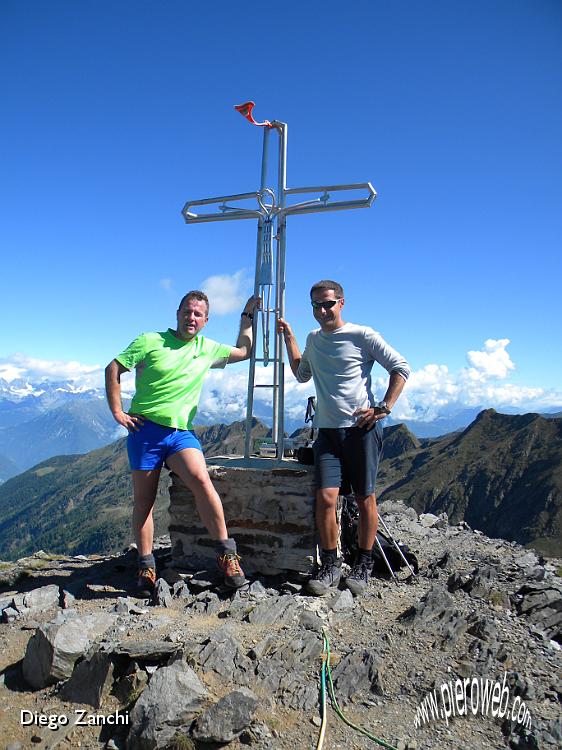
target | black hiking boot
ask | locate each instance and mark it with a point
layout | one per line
(358, 578)
(327, 575)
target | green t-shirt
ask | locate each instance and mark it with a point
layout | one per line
(170, 375)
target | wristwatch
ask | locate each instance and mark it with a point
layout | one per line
(382, 405)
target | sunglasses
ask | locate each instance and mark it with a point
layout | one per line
(327, 305)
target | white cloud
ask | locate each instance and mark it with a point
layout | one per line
(494, 361)
(434, 390)
(227, 293)
(431, 391)
(35, 370)
(166, 284)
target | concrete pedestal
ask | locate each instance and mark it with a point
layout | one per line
(269, 511)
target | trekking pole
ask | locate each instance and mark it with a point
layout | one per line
(395, 543)
(384, 557)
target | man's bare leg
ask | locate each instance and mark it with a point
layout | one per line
(145, 486)
(326, 519)
(189, 464)
(368, 520)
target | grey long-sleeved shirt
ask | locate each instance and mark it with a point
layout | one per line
(340, 363)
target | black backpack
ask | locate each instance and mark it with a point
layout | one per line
(349, 523)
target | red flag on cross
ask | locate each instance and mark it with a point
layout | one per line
(246, 111)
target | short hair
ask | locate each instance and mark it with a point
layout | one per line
(327, 284)
(195, 294)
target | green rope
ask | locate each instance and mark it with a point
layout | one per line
(323, 700)
(326, 669)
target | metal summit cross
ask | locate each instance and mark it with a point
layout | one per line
(271, 212)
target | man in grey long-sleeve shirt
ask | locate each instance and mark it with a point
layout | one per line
(339, 357)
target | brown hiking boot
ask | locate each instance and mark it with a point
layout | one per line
(230, 567)
(146, 581)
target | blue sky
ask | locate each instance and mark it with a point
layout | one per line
(114, 114)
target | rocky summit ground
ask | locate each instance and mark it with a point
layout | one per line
(465, 655)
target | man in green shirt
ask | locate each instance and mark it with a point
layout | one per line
(170, 370)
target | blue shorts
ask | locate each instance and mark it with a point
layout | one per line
(348, 457)
(150, 447)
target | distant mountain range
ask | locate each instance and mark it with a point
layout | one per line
(502, 474)
(52, 418)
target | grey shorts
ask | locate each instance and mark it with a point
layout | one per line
(348, 457)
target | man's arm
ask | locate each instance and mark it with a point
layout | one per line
(243, 347)
(113, 373)
(293, 351)
(396, 385)
(368, 417)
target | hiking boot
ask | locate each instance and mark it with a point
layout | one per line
(230, 567)
(146, 582)
(358, 578)
(327, 575)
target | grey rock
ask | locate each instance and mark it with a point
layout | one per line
(436, 612)
(256, 732)
(541, 604)
(42, 598)
(90, 681)
(224, 655)
(430, 521)
(485, 629)
(341, 601)
(173, 698)
(144, 650)
(180, 590)
(162, 595)
(203, 580)
(6, 603)
(263, 647)
(9, 614)
(131, 684)
(282, 609)
(358, 672)
(226, 719)
(284, 671)
(458, 582)
(128, 606)
(526, 560)
(67, 599)
(311, 621)
(480, 585)
(207, 602)
(257, 590)
(290, 587)
(54, 649)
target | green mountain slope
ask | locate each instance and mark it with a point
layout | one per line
(503, 475)
(82, 504)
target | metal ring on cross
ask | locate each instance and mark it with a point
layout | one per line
(266, 207)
